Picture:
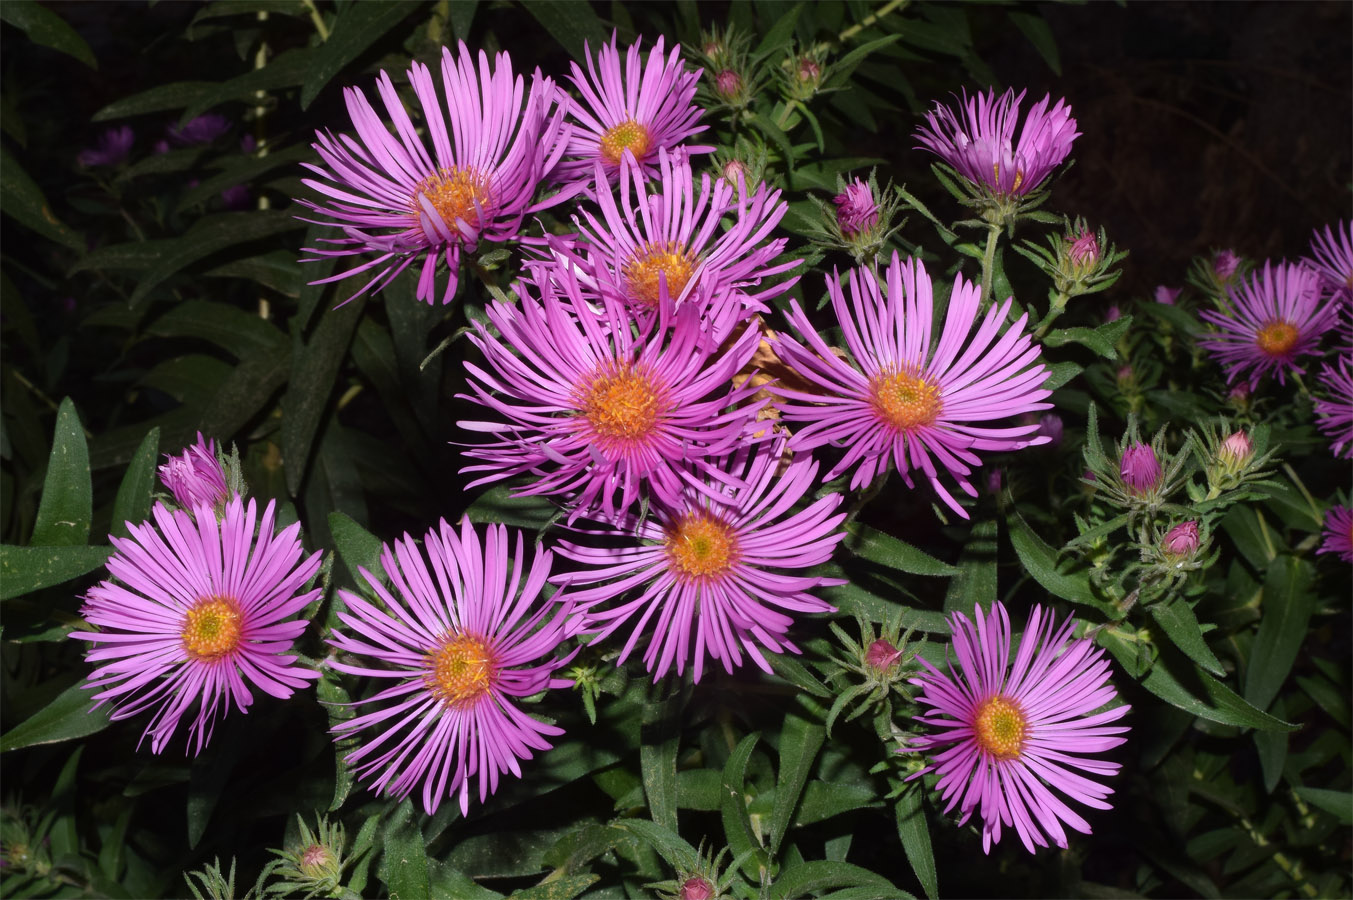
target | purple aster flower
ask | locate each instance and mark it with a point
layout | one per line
(645, 108)
(1273, 317)
(394, 200)
(597, 410)
(1332, 257)
(1166, 296)
(1336, 410)
(979, 140)
(201, 130)
(1139, 468)
(709, 250)
(1014, 736)
(718, 570)
(1338, 533)
(454, 641)
(197, 477)
(201, 609)
(907, 397)
(112, 148)
(856, 210)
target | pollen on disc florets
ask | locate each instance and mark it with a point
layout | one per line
(212, 628)
(1000, 727)
(905, 400)
(622, 402)
(701, 545)
(455, 193)
(462, 670)
(644, 269)
(628, 134)
(1277, 338)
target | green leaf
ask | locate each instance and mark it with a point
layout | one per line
(565, 887)
(886, 550)
(1272, 749)
(314, 369)
(1056, 576)
(133, 500)
(797, 674)
(245, 170)
(668, 844)
(1060, 374)
(843, 68)
(66, 718)
(498, 505)
(176, 95)
(1288, 603)
(1040, 35)
(800, 741)
(1181, 683)
(824, 799)
(240, 333)
(1102, 339)
(21, 199)
(1340, 803)
(448, 881)
(404, 862)
(780, 35)
(571, 22)
(210, 775)
(1177, 620)
(914, 831)
(287, 69)
(47, 28)
(357, 546)
(698, 789)
(24, 570)
(67, 504)
(805, 878)
(357, 27)
(245, 391)
(737, 823)
(660, 735)
(277, 271)
(975, 583)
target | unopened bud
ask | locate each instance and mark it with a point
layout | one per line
(1084, 250)
(728, 85)
(1181, 541)
(856, 210)
(1166, 296)
(696, 888)
(196, 478)
(1051, 427)
(1236, 450)
(1225, 265)
(882, 655)
(1140, 469)
(809, 71)
(316, 861)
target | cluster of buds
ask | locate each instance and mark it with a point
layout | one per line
(861, 219)
(872, 670)
(1077, 260)
(731, 81)
(203, 476)
(24, 850)
(746, 163)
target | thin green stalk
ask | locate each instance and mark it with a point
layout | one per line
(317, 19)
(989, 263)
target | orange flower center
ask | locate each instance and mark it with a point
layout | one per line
(905, 401)
(701, 545)
(1277, 338)
(622, 402)
(455, 193)
(644, 270)
(628, 133)
(212, 628)
(461, 671)
(1000, 727)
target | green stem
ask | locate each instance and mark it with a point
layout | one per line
(1059, 302)
(989, 263)
(317, 19)
(784, 116)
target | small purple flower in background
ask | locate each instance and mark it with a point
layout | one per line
(994, 481)
(388, 196)
(236, 197)
(196, 478)
(248, 144)
(201, 130)
(720, 569)
(1181, 541)
(1113, 313)
(1050, 426)
(160, 147)
(200, 610)
(1275, 316)
(1338, 533)
(645, 108)
(1225, 264)
(1332, 257)
(979, 140)
(1139, 469)
(1166, 296)
(856, 210)
(1012, 733)
(1336, 410)
(900, 401)
(453, 640)
(112, 149)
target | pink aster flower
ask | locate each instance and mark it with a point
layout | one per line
(394, 200)
(1273, 317)
(908, 396)
(1012, 737)
(979, 140)
(718, 571)
(856, 210)
(196, 478)
(1332, 257)
(597, 410)
(643, 108)
(200, 610)
(454, 642)
(1336, 408)
(709, 249)
(1338, 533)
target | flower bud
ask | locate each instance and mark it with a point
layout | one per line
(1140, 469)
(1050, 426)
(1113, 313)
(316, 861)
(1225, 264)
(1181, 541)
(882, 655)
(196, 478)
(696, 888)
(730, 87)
(1166, 296)
(1084, 250)
(1236, 450)
(856, 210)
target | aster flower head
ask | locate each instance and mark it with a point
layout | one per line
(1274, 317)
(909, 398)
(492, 145)
(112, 149)
(1335, 409)
(718, 571)
(1332, 257)
(196, 478)
(643, 108)
(198, 609)
(1014, 739)
(597, 411)
(1078, 260)
(1338, 533)
(456, 636)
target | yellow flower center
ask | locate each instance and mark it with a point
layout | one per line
(904, 400)
(1000, 727)
(461, 671)
(622, 402)
(453, 193)
(628, 133)
(643, 271)
(211, 629)
(1277, 338)
(701, 545)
